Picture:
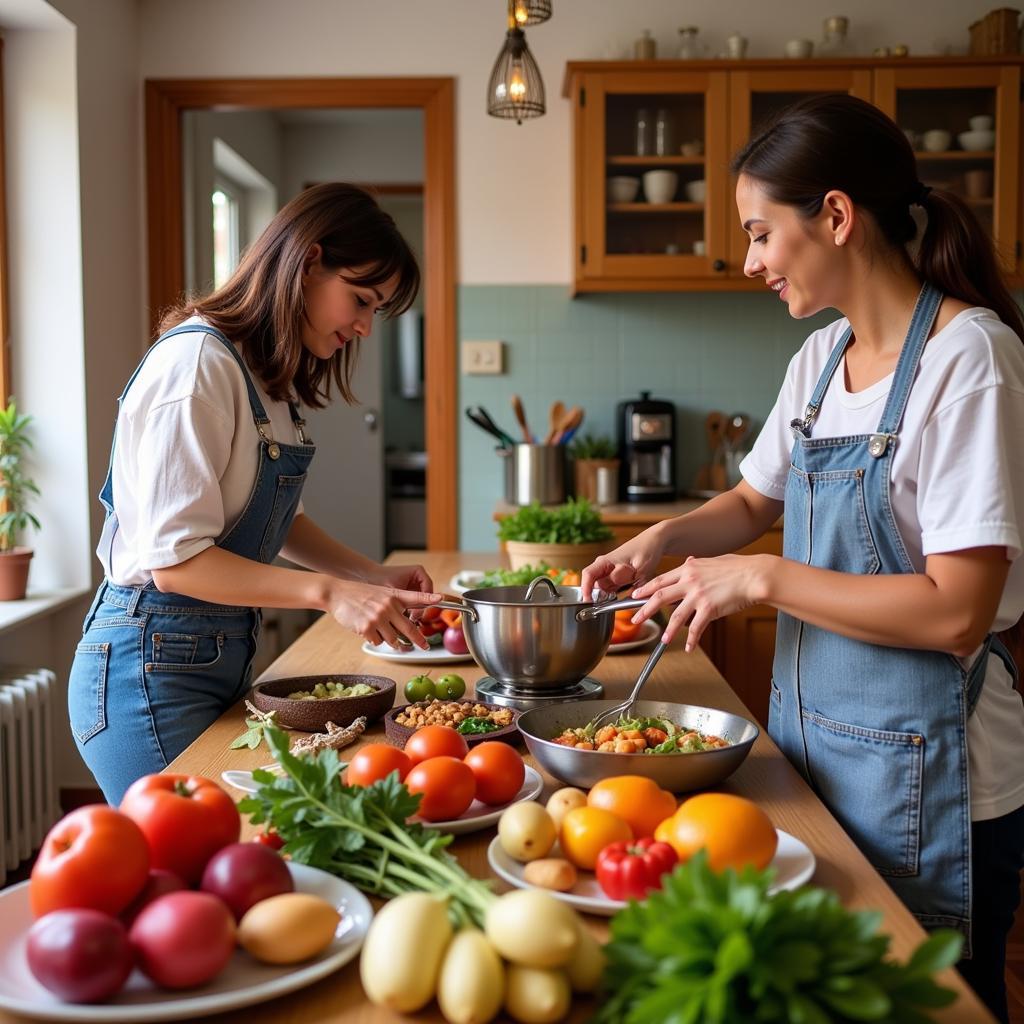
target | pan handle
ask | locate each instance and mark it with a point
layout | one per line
(591, 611)
(461, 606)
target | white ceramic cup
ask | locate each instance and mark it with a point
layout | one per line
(799, 48)
(622, 188)
(937, 140)
(694, 147)
(695, 190)
(660, 186)
(699, 248)
(981, 122)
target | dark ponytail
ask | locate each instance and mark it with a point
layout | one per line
(836, 141)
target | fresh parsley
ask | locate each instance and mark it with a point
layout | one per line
(476, 726)
(718, 949)
(360, 833)
(575, 522)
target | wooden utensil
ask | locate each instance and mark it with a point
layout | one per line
(570, 421)
(517, 408)
(554, 419)
(711, 476)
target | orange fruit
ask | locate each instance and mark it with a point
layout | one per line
(586, 831)
(734, 831)
(638, 801)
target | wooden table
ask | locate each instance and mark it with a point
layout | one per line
(765, 777)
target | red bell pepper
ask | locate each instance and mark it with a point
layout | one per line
(630, 869)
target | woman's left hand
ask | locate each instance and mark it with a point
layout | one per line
(402, 577)
(706, 589)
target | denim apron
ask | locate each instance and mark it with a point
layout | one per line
(880, 733)
(153, 670)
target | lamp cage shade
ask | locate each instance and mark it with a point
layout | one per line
(530, 12)
(516, 90)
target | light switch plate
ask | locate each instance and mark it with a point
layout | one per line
(480, 357)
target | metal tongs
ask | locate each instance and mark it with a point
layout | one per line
(620, 709)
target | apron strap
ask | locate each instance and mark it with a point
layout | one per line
(803, 426)
(976, 673)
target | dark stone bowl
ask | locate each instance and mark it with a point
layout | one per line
(313, 715)
(398, 735)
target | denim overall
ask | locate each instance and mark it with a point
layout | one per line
(153, 670)
(879, 732)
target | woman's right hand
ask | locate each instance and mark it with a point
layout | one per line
(377, 614)
(635, 562)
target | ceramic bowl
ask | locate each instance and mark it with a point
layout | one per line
(623, 189)
(692, 148)
(313, 715)
(696, 190)
(981, 122)
(977, 140)
(660, 186)
(936, 141)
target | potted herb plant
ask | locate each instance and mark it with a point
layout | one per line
(16, 490)
(591, 455)
(568, 536)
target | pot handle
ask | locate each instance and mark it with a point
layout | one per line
(459, 606)
(591, 611)
(536, 582)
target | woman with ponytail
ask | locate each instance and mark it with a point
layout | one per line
(895, 455)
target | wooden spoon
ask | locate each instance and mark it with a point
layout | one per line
(517, 408)
(554, 418)
(572, 419)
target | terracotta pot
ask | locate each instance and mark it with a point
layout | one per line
(14, 573)
(557, 556)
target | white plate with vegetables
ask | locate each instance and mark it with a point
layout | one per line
(414, 656)
(793, 862)
(243, 982)
(648, 632)
(480, 815)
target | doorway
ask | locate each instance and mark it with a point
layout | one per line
(167, 100)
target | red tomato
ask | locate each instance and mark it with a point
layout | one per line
(447, 785)
(499, 771)
(94, 857)
(268, 837)
(377, 761)
(186, 820)
(183, 939)
(435, 741)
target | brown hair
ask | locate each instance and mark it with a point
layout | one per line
(261, 306)
(836, 141)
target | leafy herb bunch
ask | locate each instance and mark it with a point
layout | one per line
(718, 948)
(594, 446)
(575, 522)
(15, 487)
(360, 833)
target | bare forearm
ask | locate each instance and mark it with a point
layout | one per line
(728, 522)
(220, 577)
(313, 548)
(911, 610)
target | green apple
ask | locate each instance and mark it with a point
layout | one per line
(450, 687)
(420, 688)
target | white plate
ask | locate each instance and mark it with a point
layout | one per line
(243, 982)
(477, 816)
(793, 862)
(467, 579)
(480, 815)
(648, 632)
(414, 656)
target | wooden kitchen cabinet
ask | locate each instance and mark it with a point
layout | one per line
(687, 245)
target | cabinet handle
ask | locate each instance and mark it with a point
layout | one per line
(718, 265)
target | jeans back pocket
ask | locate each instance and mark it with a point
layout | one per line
(87, 690)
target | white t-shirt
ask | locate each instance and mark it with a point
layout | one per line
(186, 452)
(957, 482)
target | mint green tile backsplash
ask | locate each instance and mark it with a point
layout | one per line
(701, 351)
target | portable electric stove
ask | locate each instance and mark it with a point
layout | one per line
(491, 691)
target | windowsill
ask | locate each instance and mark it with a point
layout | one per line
(36, 605)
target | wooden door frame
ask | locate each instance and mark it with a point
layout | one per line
(166, 102)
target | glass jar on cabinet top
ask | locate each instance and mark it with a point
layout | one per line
(690, 47)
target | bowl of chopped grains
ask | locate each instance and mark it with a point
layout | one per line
(310, 702)
(474, 720)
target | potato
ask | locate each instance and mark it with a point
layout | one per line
(287, 928)
(562, 801)
(587, 963)
(537, 996)
(471, 985)
(526, 831)
(532, 928)
(551, 873)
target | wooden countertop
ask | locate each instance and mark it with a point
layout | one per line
(765, 777)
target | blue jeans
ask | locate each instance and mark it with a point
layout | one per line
(151, 672)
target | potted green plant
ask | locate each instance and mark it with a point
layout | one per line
(568, 536)
(16, 490)
(595, 458)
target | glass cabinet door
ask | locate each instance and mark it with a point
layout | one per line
(652, 158)
(755, 97)
(964, 125)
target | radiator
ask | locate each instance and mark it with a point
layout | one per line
(28, 787)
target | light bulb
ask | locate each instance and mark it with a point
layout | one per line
(516, 83)
(521, 12)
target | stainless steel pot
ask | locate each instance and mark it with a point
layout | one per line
(539, 637)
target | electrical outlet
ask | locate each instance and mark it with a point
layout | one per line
(482, 357)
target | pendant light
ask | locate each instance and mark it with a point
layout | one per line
(531, 12)
(516, 90)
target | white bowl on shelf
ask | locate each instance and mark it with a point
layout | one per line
(660, 186)
(696, 190)
(981, 122)
(622, 188)
(973, 141)
(936, 141)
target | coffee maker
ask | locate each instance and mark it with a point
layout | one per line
(647, 440)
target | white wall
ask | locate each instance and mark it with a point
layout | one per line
(513, 181)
